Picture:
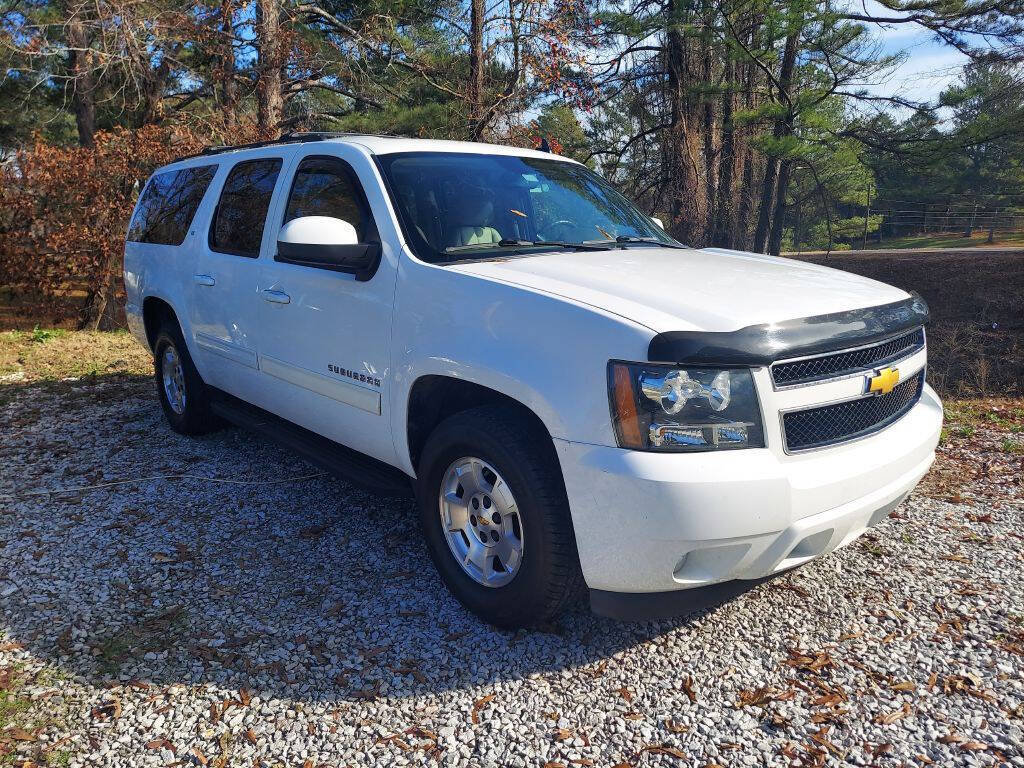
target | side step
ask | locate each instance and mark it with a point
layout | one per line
(350, 465)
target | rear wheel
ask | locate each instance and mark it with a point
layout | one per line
(182, 392)
(495, 517)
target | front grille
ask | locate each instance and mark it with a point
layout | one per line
(839, 422)
(835, 364)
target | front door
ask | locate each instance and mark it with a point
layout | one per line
(324, 336)
(226, 279)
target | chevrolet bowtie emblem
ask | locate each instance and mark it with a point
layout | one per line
(883, 382)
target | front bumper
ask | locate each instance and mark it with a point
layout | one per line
(660, 522)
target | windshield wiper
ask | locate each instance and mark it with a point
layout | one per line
(633, 239)
(513, 243)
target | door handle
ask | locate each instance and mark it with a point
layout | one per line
(278, 297)
(203, 280)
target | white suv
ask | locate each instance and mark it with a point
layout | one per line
(575, 397)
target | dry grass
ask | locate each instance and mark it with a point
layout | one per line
(52, 355)
(981, 454)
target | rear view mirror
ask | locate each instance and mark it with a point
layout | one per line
(658, 221)
(325, 242)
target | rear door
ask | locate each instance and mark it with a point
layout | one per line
(226, 277)
(325, 337)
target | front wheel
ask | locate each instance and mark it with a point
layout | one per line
(495, 517)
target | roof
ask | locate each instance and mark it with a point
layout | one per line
(386, 145)
(378, 144)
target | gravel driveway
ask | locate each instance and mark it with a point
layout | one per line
(298, 622)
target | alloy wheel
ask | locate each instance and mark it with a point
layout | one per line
(481, 521)
(174, 379)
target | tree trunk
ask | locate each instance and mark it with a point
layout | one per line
(749, 167)
(269, 99)
(153, 82)
(228, 95)
(475, 91)
(83, 80)
(725, 208)
(766, 206)
(710, 130)
(783, 127)
(682, 146)
(102, 311)
(779, 217)
(740, 236)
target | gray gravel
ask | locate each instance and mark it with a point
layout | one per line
(301, 624)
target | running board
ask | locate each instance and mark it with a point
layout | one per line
(343, 462)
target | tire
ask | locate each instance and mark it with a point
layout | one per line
(191, 414)
(522, 459)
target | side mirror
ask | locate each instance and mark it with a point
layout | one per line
(658, 221)
(325, 242)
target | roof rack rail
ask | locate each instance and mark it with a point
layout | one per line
(294, 137)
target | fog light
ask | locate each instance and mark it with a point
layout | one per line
(699, 435)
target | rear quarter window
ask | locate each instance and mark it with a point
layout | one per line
(168, 205)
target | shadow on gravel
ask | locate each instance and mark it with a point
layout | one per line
(306, 589)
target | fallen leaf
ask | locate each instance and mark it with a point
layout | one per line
(907, 686)
(974, 746)
(624, 693)
(480, 704)
(314, 531)
(421, 733)
(687, 683)
(663, 749)
(759, 697)
(373, 653)
(891, 717)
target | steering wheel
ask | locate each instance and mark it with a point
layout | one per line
(567, 227)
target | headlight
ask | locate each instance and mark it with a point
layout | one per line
(665, 408)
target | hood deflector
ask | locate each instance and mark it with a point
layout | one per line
(764, 344)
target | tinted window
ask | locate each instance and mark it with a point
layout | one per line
(168, 205)
(242, 211)
(325, 186)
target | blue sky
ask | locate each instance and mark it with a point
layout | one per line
(929, 67)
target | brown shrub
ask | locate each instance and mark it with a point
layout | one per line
(64, 212)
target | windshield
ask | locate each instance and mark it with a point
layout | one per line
(460, 205)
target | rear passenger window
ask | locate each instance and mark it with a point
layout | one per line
(237, 225)
(324, 186)
(168, 204)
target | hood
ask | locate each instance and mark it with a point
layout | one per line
(670, 289)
